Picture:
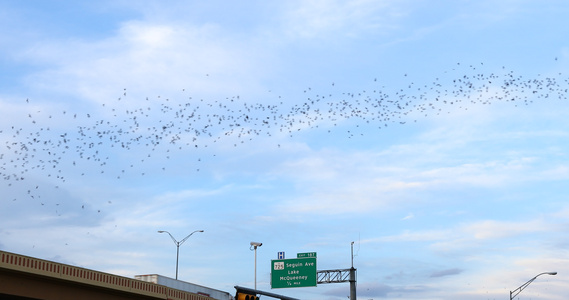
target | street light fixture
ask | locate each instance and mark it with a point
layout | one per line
(178, 245)
(515, 292)
(254, 246)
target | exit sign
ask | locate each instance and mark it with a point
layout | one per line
(307, 254)
(293, 272)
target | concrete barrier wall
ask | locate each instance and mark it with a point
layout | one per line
(35, 266)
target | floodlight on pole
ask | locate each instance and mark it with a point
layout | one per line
(178, 245)
(254, 246)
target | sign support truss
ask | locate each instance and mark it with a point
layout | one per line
(333, 276)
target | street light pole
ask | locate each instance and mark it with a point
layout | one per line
(178, 245)
(515, 292)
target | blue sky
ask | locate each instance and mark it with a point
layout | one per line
(434, 135)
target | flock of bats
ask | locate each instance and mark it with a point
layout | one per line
(51, 144)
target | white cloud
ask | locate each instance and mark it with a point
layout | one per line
(490, 229)
(367, 181)
(145, 58)
(317, 18)
(469, 235)
(423, 235)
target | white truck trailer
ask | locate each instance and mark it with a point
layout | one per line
(185, 286)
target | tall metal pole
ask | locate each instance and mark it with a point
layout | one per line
(255, 267)
(177, 258)
(515, 292)
(352, 246)
(178, 245)
(353, 277)
(254, 246)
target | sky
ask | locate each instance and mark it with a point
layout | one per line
(431, 134)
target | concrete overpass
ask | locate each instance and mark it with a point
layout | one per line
(23, 277)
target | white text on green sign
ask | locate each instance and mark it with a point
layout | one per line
(307, 254)
(295, 272)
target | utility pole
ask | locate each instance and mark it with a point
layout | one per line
(342, 275)
(352, 277)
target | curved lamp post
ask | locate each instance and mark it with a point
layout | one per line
(178, 245)
(515, 292)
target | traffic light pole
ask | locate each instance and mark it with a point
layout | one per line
(245, 290)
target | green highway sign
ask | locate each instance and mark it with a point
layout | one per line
(307, 254)
(294, 272)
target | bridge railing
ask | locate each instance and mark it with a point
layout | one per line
(21, 263)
